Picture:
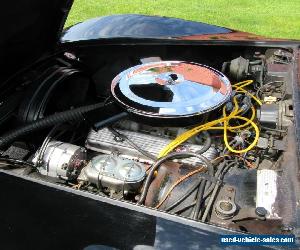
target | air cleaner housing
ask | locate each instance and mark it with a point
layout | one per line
(176, 91)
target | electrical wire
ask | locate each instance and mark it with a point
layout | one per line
(125, 138)
(251, 145)
(239, 87)
(182, 209)
(180, 180)
(193, 187)
(190, 133)
(253, 112)
(220, 157)
(273, 129)
(212, 125)
(259, 90)
(196, 212)
(211, 200)
(217, 176)
(156, 165)
(206, 145)
(199, 200)
(215, 190)
(184, 196)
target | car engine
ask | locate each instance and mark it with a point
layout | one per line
(208, 142)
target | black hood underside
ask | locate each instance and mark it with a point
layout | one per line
(29, 30)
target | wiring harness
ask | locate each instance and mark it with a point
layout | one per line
(223, 123)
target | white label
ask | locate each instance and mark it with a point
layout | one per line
(267, 190)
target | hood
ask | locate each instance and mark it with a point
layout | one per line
(155, 27)
(29, 29)
(138, 26)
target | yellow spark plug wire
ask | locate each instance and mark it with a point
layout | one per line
(226, 139)
(239, 87)
(233, 128)
(221, 124)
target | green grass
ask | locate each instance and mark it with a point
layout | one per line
(272, 18)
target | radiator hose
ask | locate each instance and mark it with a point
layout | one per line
(76, 114)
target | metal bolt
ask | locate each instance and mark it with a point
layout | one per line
(261, 211)
(118, 139)
(137, 197)
(226, 206)
(287, 228)
(225, 209)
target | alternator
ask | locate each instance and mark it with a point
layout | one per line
(62, 160)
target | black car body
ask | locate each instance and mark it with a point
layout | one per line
(45, 70)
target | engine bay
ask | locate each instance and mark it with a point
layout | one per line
(207, 138)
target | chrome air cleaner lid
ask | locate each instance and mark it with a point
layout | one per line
(170, 89)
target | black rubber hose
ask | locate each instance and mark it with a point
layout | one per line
(182, 209)
(217, 174)
(110, 120)
(199, 200)
(49, 121)
(156, 165)
(207, 144)
(184, 196)
(14, 162)
(216, 188)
